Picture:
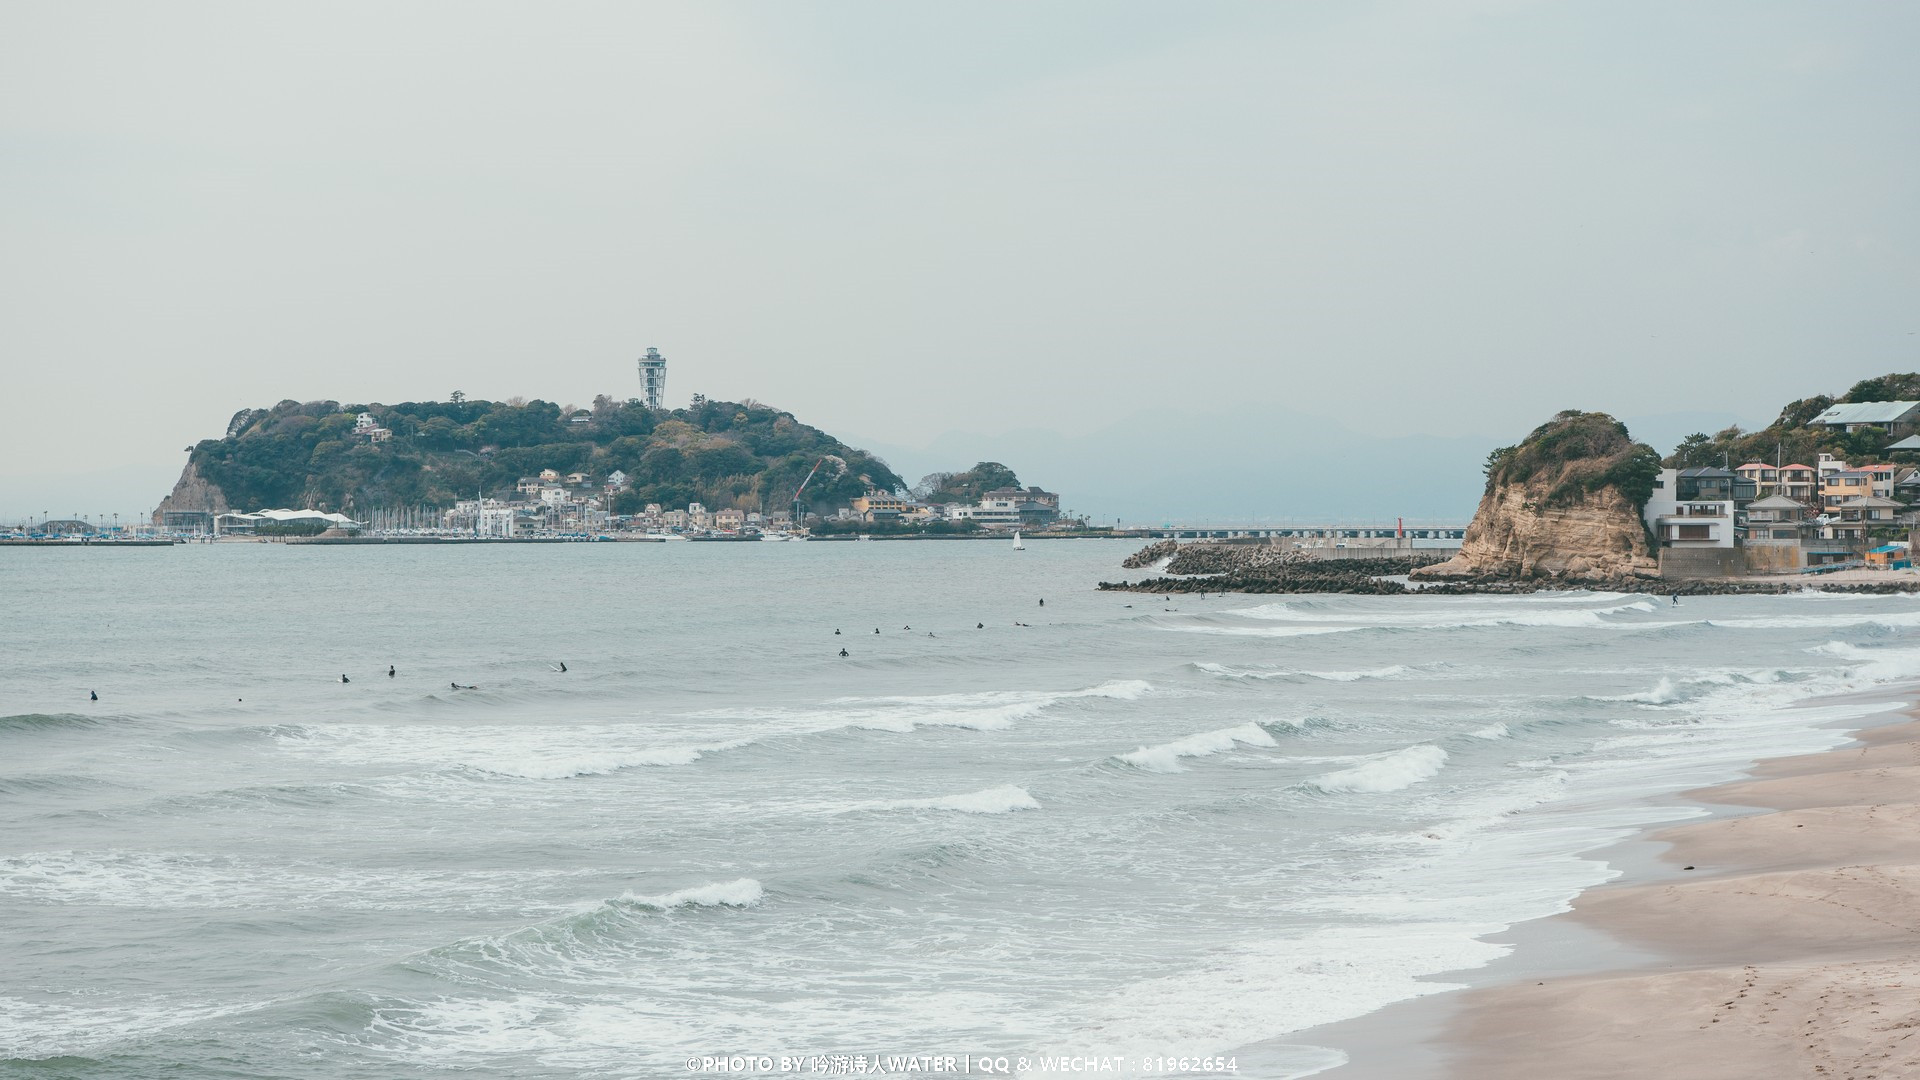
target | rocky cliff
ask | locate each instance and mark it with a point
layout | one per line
(193, 492)
(1563, 504)
(1512, 535)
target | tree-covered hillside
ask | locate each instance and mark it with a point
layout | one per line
(723, 454)
(1789, 441)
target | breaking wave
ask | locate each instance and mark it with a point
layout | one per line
(1165, 758)
(1400, 769)
(740, 892)
(565, 767)
(995, 800)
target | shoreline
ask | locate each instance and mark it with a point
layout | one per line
(1789, 938)
(1779, 935)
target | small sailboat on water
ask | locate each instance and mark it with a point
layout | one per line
(1017, 545)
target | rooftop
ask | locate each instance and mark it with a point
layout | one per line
(1866, 412)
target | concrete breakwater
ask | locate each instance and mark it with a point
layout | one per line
(1201, 568)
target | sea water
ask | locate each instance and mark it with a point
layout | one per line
(1108, 825)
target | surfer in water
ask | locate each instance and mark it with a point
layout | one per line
(563, 667)
(389, 671)
(93, 695)
(344, 679)
(460, 686)
(844, 652)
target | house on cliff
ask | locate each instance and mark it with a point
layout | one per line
(1894, 417)
(1692, 508)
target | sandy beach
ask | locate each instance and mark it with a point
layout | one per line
(1790, 941)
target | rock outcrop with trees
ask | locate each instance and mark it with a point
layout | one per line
(1564, 504)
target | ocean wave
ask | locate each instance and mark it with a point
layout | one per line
(46, 722)
(1876, 664)
(1397, 671)
(995, 800)
(1400, 769)
(503, 751)
(1259, 631)
(1820, 622)
(740, 892)
(1491, 731)
(50, 783)
(990, 710)
(567, 766)
(1670, 691)
(1297, 623)
(1664, 692)
(1165, 758)
(1394, 672)
(31, 1032)
(192, 881)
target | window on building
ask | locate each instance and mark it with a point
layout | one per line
(1693, 532)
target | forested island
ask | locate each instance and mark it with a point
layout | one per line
(355, 457)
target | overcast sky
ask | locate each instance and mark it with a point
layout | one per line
(906, 220)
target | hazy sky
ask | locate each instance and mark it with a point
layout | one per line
(906, 220)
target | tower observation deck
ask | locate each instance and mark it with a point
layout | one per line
(653, 379)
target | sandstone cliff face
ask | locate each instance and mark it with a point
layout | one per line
(1516, 534)
(193, 492)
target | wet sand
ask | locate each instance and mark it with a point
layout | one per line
(1789, 942)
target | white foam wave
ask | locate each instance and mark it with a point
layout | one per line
(515, 751)
(1400, 769)
(1876, 664)
(1310, 618)
(741, 892)
(1394, 672)
(1259, 631)
(34, 1030)
(1254, 991)
(996, 800)
(187, 881)
(1491, 731)
(985, 711)
(1165, 758)
(1664, 692)
(1224, 671)
(1821, 622)
(539, 766)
